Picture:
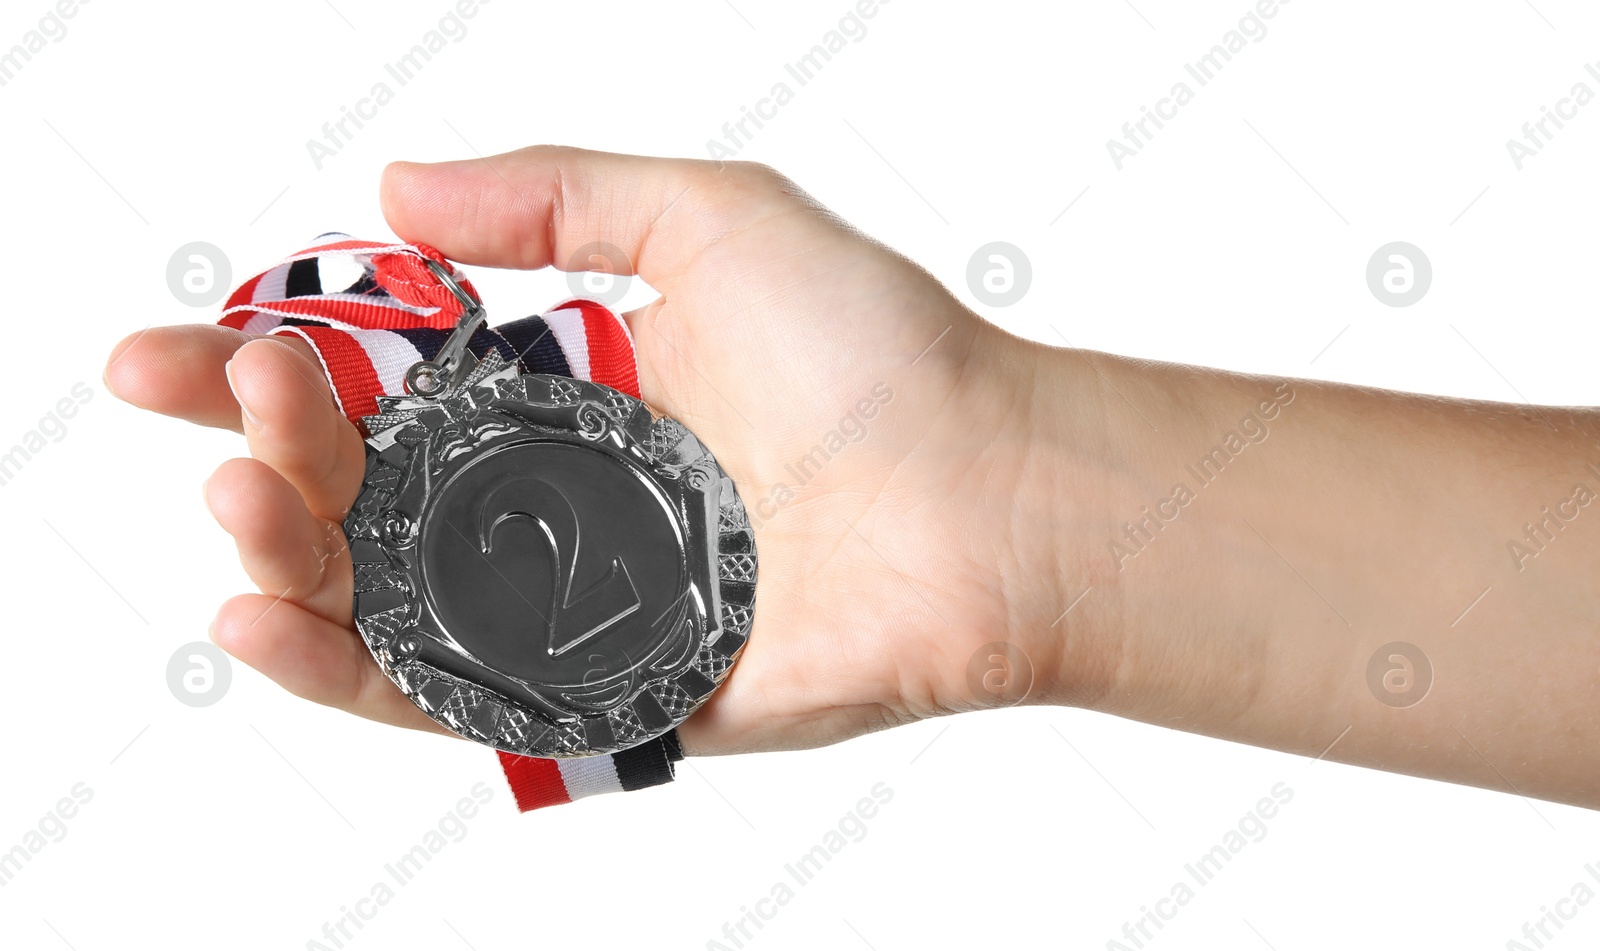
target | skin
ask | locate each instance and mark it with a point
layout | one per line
(977, 504)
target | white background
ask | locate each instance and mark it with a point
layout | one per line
(1239, 238)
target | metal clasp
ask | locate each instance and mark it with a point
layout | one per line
(449, 365)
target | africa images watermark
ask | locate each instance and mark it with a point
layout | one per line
(1536, 134)
(852, 428)
(1538, 933)
(1139, 533)
(1537, 535)
(336, 133)
(402, 871)
(851, 828)
(851, 28)
(1136, 134)
(338, 932)
(1399, 674)
(51, 28)
(51, 428)
(1000, 674)
(51, 828)
(1251, 828)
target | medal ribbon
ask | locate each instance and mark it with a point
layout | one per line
(396, 314)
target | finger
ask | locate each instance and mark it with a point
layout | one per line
(292, 424)
(541, 206)
(177, 371)
(288, 552)
(314, 658)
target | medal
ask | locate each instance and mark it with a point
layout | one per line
(541, 564)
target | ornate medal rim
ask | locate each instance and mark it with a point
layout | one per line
(492, 406)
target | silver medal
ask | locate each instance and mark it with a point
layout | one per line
(541, 564)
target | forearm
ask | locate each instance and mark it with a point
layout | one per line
(1242, 571)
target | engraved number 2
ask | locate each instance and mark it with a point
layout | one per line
(573, 616)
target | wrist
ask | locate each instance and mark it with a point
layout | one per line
(1148, 477)
(1062, 595)
(1119, 518)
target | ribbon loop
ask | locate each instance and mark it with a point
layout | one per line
(397, 314)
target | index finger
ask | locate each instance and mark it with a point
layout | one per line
(540, 206)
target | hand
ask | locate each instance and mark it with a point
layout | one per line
(970, 487)
(887, 556)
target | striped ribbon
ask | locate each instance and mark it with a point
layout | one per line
(368, 333)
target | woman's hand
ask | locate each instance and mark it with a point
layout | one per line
(877, 431)
(1245, 557)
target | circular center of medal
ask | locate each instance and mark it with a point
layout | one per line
(554, 563)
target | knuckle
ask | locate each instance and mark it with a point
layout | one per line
(731, 195)
(759, 175)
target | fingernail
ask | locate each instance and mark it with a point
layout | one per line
(244, 407)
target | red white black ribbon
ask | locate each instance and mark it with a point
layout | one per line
(370, 331)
